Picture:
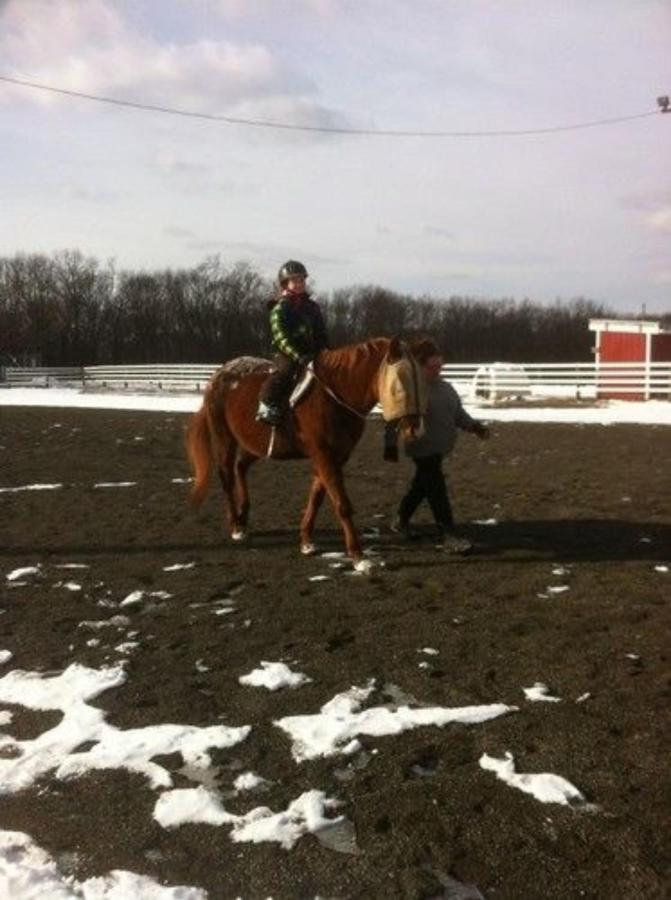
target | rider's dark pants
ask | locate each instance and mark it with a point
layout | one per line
(429, 484)
(276, 388)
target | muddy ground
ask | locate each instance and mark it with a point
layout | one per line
(594, 500)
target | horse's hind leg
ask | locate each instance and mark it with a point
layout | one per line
(315, 499)
(243, 461)
(226, 461)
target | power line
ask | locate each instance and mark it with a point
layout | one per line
(322, 129)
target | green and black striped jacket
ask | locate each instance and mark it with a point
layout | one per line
(297, 326)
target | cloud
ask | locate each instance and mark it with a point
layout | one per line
(648, 201)
(662, 277)
(176, 231)
(98, 52)
(660, 220)
(168, 163)
(438, 232)
(95, 195)
(238, 9)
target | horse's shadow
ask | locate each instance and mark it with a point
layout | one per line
(560, 540)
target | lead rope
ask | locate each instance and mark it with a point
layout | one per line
(271, 442)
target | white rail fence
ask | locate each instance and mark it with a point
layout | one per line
(485, 382)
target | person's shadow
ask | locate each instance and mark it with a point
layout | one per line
(568, 540)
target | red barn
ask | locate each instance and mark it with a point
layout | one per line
(629, 341)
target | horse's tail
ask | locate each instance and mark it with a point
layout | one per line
(199, 451)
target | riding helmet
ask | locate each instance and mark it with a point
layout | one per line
(290, 269)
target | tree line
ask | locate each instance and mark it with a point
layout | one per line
(69, 310)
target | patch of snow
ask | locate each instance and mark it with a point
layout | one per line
(273, 676)
(539, 693)
(17, 574)
(305, 815)
(132, 598)
(545, 786)
(661, 568)
(5, 656)
(127, 647)
(340, 720)
(132, 749)
(362, 567)
(29, 873)
(114, 622)
(650, 412)
(558, 588)
(177, 566)
(30, 487)
(430, 651)
(114, 484)
(248, 781)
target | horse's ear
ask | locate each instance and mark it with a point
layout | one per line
(395, 351)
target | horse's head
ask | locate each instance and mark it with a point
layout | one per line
(402, 390)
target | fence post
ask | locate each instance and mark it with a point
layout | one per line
(648, 348)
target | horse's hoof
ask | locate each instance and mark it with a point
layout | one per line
(308, 549)
(364, 566)
(238, 536)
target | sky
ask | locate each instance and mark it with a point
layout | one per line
(578, 213)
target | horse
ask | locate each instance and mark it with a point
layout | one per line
(326, 425)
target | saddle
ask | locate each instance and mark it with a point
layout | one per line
(242, 366)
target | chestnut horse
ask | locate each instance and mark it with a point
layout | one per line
(326, 426)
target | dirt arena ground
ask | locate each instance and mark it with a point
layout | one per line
(595, 501)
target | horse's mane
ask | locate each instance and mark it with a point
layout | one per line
(348, 358)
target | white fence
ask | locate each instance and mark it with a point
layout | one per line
(485, 382)
(497, 381)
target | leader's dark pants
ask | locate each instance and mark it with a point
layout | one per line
(428, 484)
(275, 390)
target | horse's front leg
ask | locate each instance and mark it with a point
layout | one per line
(331, 476)
(315, 499)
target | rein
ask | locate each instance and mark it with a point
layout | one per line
(332, 394)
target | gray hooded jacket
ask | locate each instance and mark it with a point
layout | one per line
(444, 416)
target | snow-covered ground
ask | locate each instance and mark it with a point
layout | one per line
(652, 412)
